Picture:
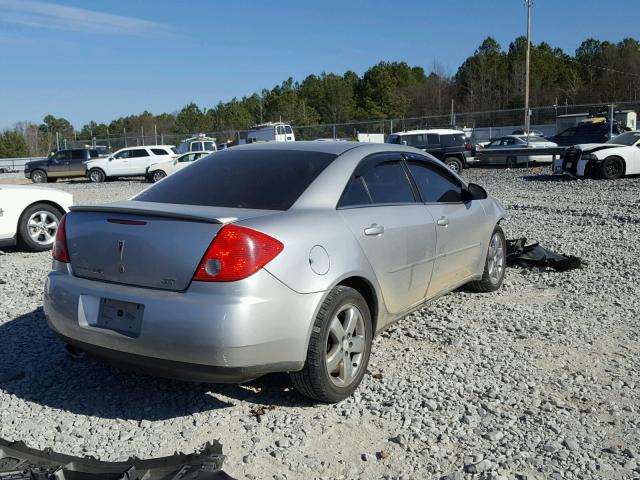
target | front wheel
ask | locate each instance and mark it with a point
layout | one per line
(38, 176)
(96, 175)
(339, 348)
(494, 266)
(612, 168)
(454, 164)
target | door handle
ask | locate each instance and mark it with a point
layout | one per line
(374, 229)
(443, 221)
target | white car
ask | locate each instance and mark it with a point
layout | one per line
(129, 162)
(618, 157)
(158, 171)
(30, 215)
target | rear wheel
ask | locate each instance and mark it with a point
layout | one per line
(454, 164)
(38, 176)
(612, 168)
(494, 267)
(339, 348)
(38, 226)
(157, 175)
(511, 162)
(96, 175)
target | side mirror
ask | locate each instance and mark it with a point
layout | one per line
(474, 192)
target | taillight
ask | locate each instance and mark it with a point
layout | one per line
(60, 250)
(236, 253)
(468, 146)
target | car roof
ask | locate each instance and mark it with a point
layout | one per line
(441, 131)
(147, 146)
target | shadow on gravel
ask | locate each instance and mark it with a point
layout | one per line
(34, 366)
(548, 178)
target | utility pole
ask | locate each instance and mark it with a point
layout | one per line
(526, 81)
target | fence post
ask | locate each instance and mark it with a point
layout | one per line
(125, 137)
(334, 131)
(391, 126)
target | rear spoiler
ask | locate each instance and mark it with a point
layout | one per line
(162, 210)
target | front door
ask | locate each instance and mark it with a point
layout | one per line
(397, 234)
(58, 165)
(460, 226)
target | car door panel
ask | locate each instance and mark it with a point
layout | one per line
(459, 225)
(396, 233)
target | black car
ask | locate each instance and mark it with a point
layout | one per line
(61, 164)
(448, 146)
(586, 133)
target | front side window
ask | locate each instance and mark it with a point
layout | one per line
(509, 141)
(190, 157)
(569, 132)
(123, 154)
(257, 179)
(393, 139)
(280, 130)
(415, 140)
(628, 138)
(380, 180)
(288, 129)
(435, 184)
(62, 156)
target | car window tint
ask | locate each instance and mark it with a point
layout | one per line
(288, 129)
(416, 139)
(159, 151)
(93, 153)
(435, 184)
(452, 140)
(187, 158)
(62, 156)
(260, 179)
(77, 154)
(208, 146)
(387, 182)
(433, 139)
(138, 152)
(394, 139)
(124, 154)
(355, 194)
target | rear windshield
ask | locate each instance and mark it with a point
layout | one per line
(260, 179)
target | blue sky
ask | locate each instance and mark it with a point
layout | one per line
(100, 60)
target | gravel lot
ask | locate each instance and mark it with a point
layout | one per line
(538, 380)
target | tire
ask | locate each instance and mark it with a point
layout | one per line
(37, 227)
(512, 162)
(612, 168)
(491, 279)
(315, 380)
(39, 176)
(96, 175)
(157, 175)
(454, 164)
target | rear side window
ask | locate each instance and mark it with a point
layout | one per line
(77, 154)
(259, 179)
(159, 151)
(195, 146)
(433, 139)
(452, 140)
(435, 184)
(288, 129)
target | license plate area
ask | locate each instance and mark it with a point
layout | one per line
(121, 317)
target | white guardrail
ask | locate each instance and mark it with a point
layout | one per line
(15, 164)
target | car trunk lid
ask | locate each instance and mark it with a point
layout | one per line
(144, 244)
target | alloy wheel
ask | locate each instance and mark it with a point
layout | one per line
(42, 227)
(346, 344)
(496, 258)
(158, 175)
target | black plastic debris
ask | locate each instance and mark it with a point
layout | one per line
(19, 462)
(519, 254)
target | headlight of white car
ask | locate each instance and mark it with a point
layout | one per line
(589, 156)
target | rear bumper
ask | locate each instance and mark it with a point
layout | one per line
(212, 332)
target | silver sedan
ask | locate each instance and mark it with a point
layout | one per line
(273, 257)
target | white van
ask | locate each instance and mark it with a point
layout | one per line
(271, 132)
(128, 162)
(198, 143)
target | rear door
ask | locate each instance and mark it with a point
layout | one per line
(139, 160)
(77, 167)
(433, 146)
(396, 233)
(460, 226)
(289, 133)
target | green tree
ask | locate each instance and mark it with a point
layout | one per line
(13, 145)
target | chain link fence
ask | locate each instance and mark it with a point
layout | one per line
(479, 126)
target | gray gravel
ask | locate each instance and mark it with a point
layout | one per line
(538, 380)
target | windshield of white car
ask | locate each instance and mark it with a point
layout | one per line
(628, 138)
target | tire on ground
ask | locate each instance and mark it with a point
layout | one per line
(487, 283)
(454, 164)
(314, 380)
(39, 176)
(612, 168)
(96, 175)
(24, 238)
